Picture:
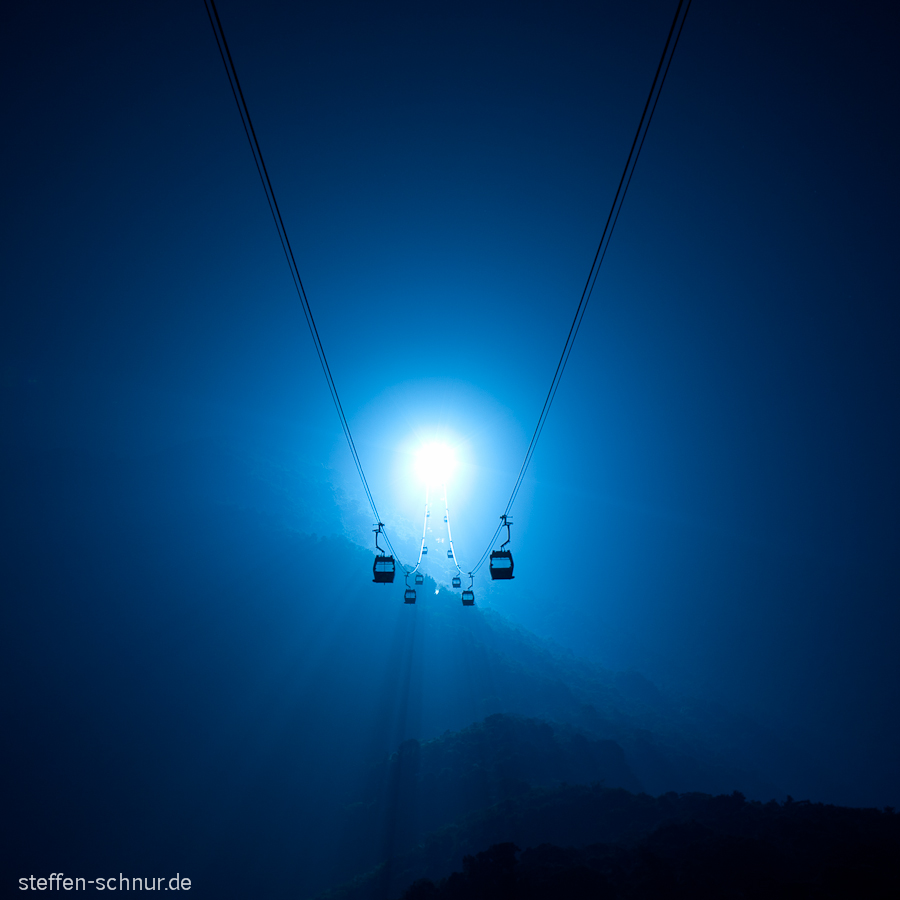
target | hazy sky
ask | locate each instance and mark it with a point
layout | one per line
(714, 499)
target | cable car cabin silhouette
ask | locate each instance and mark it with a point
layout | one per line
(468, 598)
(501, 564)
(457, 581)
(424, 551)
(445, 518)
(501, 560)
(383, 570)
(409, 595)
(383, 567)
(420, 578)
(449, 554)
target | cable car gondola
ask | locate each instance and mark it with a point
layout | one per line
(468, 598)
(502, 559)
(383, 568)
(501, 564)
(424, 551)
(409, 595)
(457, 581)
(420, 578)
(449, 554)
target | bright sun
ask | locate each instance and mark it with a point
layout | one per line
(435, 462)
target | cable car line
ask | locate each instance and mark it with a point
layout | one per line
(612, 218)
(665, 61)
(451, 551)
(468, 596)
(422, 549)
(501, 560)
(256, 150)
(487, 549)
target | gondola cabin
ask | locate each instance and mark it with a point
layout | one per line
(424, 551)
(445, 518)
(420, 578)
(457, 581)
(383, 570)
(449, 554)
(468, 598)
(409, 595)
(501, 564)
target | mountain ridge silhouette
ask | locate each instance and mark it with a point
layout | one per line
(202, 647)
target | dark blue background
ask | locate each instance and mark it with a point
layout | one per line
(714, 500)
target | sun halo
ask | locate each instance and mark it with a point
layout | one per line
(435, 462)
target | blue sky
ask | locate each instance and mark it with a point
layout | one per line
(714, 498)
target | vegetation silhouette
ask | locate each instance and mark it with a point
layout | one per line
(328, 725)
(427, 785)
(675, 845)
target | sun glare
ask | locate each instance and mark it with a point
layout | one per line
(435, 462)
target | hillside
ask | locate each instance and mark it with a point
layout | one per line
(716, 847)
(188, 645)
(591, 841)
(430, 784)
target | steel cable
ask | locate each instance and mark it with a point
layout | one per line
(612, 218)
(244, 112)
